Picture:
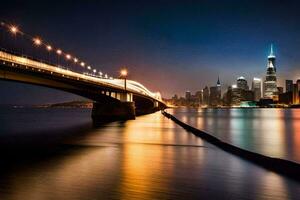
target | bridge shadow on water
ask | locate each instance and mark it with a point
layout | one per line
(21, 150)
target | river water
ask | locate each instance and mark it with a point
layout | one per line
(58, 154)
(269, 131)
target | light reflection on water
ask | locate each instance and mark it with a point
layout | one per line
(272, 132)
(147, 158)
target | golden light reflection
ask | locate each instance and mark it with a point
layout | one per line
(272, 142)
(138, 175)
(296, 133)
(271, 183)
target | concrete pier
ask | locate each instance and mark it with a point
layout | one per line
(112, 111)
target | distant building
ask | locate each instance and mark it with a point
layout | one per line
(219, 90)
(236, 95)
(206, 96)
(298, 84)
(188, 96)
(175, 97)
(215, 95)
(288, 85)
(199, 97)
(295, 94)
(286, 98)
(241, 92)
(280, 90)
(242, 83)
(270, 83)
(256, 88)
(247, 95)
(291, 96)
(227, 98)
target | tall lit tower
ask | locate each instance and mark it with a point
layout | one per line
(219, 85)
(270, 83)
(219, 91)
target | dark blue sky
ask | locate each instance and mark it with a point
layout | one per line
(167, 45)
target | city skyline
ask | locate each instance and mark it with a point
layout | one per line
(192, 40)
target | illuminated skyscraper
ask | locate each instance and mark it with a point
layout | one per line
(242, 83)
(256, 88)
(270, 83)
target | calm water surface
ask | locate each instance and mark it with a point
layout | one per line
(272, 132)
(58, 154)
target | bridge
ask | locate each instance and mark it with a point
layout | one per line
(114, 98)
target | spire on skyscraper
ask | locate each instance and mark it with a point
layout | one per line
(218, 82)
(271, 55)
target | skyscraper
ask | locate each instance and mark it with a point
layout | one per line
(205, 96)
(270, 83)
(236, 95)
(242, 83)
(199, 97)
(288, 85)
(256, 88)
(215, 94)
(188, 95)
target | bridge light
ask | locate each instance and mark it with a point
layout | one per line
(58, 51)
(94, 70)
(106, 76)
(100, 73)
(68, 56)
(13, 29)
(49, 48)
(37, 41)
(82, 64)
(89, 67)
(75, 60)
(124, 72)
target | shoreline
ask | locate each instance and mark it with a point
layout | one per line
(281, 166)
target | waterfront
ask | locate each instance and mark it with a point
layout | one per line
(147, 158)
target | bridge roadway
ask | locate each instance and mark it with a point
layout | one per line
(111, 101)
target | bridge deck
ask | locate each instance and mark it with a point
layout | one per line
(118, 84)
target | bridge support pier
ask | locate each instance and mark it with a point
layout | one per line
(124, 109)
(113, 111)
(147, 108)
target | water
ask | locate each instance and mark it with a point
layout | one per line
(272, 132)
(58, 154)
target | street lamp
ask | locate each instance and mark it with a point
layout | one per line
(14, 29)
(37, 41)
(58, 52)
(124, 74)
(49, 48)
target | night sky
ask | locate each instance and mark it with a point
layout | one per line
(168, 46)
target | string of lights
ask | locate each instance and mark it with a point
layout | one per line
(37, 41)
